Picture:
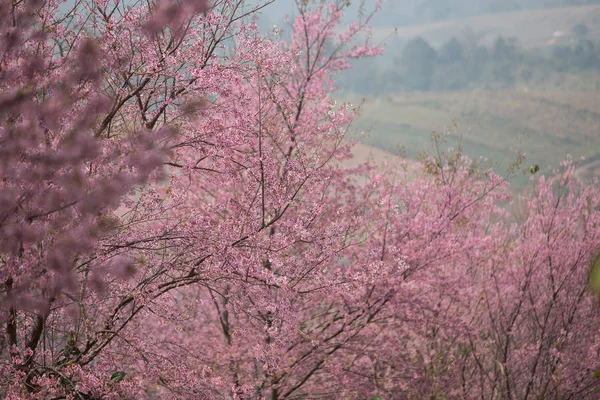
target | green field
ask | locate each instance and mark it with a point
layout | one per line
(546, 125)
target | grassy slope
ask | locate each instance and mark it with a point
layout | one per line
(547, 125)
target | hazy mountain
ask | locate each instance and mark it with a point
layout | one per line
(411, 12)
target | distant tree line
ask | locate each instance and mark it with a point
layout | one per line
(466, 64)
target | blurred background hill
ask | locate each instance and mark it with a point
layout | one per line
(502, 75)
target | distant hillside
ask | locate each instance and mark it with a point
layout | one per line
(533, 21)
(533, 28)
(416, 12)
(400, 13)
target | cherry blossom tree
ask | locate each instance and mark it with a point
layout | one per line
(177, 220)
(494, 304)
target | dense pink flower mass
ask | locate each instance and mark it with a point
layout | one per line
(176, 221)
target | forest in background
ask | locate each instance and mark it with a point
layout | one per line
(464, 63)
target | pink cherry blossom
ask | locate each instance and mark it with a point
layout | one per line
(178, 220)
